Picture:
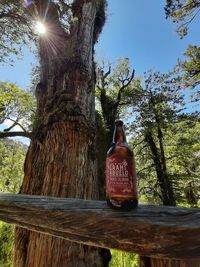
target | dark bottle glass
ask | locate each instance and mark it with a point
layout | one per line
(121, 189)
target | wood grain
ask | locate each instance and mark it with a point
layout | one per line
(157, 231)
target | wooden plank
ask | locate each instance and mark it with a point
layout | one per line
(157, 231)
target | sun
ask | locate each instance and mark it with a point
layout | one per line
(40, 28)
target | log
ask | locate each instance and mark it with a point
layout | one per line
(155, 231)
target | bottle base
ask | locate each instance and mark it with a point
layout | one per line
(122, 204)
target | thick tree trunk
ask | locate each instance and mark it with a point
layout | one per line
(61, 159)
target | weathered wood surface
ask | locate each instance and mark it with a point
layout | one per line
(157, 231)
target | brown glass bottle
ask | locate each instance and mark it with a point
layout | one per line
(121, 190)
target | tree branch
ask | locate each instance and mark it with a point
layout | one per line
(146, 168)
(186, 23)
(11, 127)
(107, 73)
(102, 77)
(15, 134)
(124, 85)
(15, 123)
(139, 143)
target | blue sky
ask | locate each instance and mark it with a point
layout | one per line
(136, 29)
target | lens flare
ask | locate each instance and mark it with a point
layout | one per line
(40, 28)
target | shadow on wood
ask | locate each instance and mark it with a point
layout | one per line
(156, 231)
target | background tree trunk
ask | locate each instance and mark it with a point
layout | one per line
(102, 147)
(61, 159)
(165, 185)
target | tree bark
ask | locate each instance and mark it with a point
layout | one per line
(61, 159)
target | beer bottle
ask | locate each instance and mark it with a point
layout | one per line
(121, 191)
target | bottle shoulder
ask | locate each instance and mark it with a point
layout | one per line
(121, 149)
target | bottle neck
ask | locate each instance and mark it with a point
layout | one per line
(119, 135)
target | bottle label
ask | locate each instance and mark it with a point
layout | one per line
(120, 176)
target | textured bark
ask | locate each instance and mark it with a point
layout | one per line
(156, 231)
(61, 159)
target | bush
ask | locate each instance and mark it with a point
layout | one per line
(6, 244)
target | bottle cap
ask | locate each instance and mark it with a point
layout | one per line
(119, 123)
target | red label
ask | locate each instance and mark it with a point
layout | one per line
(120, 176)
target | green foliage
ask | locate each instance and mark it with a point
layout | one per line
(115, 92)
(182, 147)
(156, 112)
(115, 81)
(16, 106)
(15, 29)
(12, 156)
(148, 187)
(189, 69)
(159, 100)
(155, 105)
(182, 12)
(159, 112)
(6, 244)
(123, 259)
(17, 24)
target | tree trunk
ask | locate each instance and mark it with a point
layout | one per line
(190, 196)
(168, 182)
(159, 159)
(61, 159)
(167, 198)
